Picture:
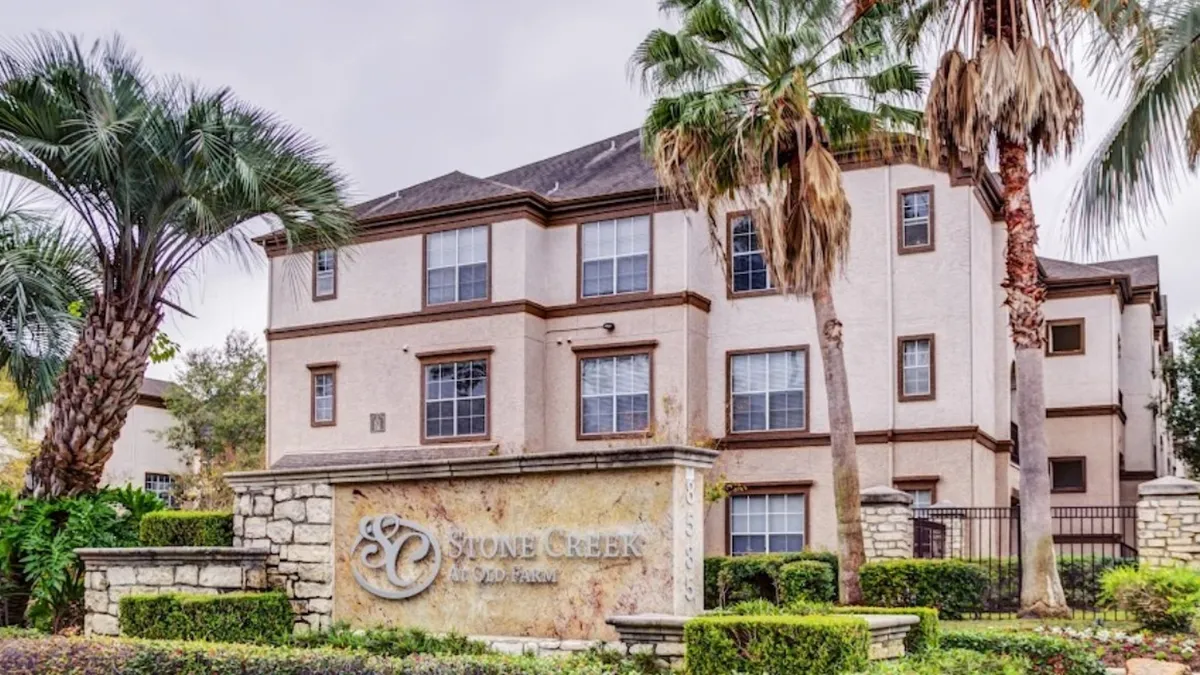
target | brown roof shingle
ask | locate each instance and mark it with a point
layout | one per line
(455, 187)
(1141, 271)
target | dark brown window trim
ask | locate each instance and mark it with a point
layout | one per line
(1088, 411)
(1073, 458)
(579, 298)
(787, 441)
(1078, 321)
(315, 369)
(458, 304)
(334, 294)
(904, 483)
(456, 356)
(769, 434)
(932, 395)
(770, 488)
(900, 247)
(729, 292)
(646, 347)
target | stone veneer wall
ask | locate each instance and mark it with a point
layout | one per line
(887, 524)
(294, 524)
(1168, 522)
(111, 574)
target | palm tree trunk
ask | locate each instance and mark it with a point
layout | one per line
(851, 555)
(95, 393)
(1041, 589)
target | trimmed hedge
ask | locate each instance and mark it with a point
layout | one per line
(1047, 655)
(954, 587)
(732, 579)
(807, 581)
(760, 645)
(262, 618)
(921, 638)
(186, 528)
(76, 656)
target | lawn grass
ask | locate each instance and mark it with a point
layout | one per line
(1030, 624)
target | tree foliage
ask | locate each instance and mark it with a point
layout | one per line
(17, 444)
(220, 406)
(1182, 373)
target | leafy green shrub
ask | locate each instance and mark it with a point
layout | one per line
(954, 587)
(38, 538)
(754, 645)
(807, 581)
(75, 656)
(264, 618)
(921, 638)
(1160, 598)
(732, 579)
(1047, 655)
(956, 661)
(187, 528)
(397, 642)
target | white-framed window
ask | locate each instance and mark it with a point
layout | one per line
(615, 257)
(456, 399)
(769, 391)
(746, 256)
(767, 523)
(160, 484)
(456, 265)
(325, 273)
(323, 393)
(916, 219)
(614, 394)
(916, 368)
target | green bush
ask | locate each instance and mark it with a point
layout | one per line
(807, 581)
(732, 579)
(923, 637)
(954, 587)
(1080, 576)
(38, 538)
(1046, 655)
(187, 528)
(264, 618)
(956, 661)
(758, 645)
(1160, 598)
(76, 656)
(396, 642)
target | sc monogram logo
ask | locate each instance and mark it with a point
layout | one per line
(381, 539)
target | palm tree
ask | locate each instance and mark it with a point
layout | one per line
(45, 274)
(156, 172)
(751, 97)
(1157, 137)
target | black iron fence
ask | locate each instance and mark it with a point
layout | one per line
(1089, 541)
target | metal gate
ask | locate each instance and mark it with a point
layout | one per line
(1089, 540)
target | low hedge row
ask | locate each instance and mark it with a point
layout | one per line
(729, 580)
(762, 645)
(807, 581)
(395, 642)
(261, 618)
(922, 638)
(1047, 655)
(77, 656)
(186, 528)
(954, 587)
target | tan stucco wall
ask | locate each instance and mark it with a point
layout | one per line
(139, 451)
(1139, 358)
(1098, 438)
(1089, 378)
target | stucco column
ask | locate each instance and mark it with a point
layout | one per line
(1168, 531)
(887, 524)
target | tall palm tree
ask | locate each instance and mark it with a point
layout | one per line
(45, 273)
(751, 97)
(1137, 166)
(157, 172)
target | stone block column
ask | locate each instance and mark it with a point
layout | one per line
(294, 523)
(887, 524)
(1168, 522)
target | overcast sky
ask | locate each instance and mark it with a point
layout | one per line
(406, 90)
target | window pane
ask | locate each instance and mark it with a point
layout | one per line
(324, 283)
(325, 260)
(633, 274)
(597, 278)
(916, 234)
(749, 412)
(772, 523)
(472, 282)
(441, 286)
(1067, 474)
(456, 399)
(1066, 338)
(633, 412)
(597, 376)
(597, 415)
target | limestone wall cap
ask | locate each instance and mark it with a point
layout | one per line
(1169, 486)
(885, 495)
(648, 621)
(879, 622)
(170, 555)
(590, 460)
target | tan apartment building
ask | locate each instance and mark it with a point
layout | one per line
(568, 304)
